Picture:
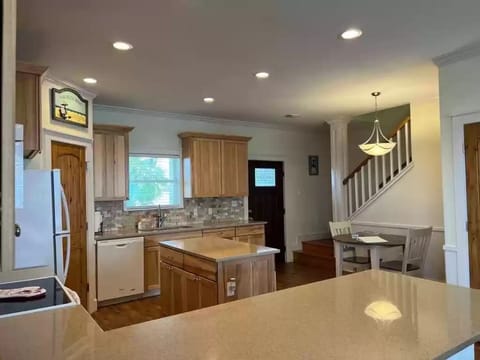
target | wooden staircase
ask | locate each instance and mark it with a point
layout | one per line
(375, 175)
(318, 254)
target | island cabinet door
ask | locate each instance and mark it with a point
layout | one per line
(152, 268)
(191, 291)
(263, 275)
(166, 294)
(208, 292)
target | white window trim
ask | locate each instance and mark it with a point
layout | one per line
(181, 204)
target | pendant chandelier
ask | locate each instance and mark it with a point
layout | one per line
(377, 144)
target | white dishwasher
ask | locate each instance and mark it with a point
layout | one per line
(119, 268)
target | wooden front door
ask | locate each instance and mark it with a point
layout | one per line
(472, 165)
(265, 201)
(70, 159)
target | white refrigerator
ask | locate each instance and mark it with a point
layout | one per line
(43, 224)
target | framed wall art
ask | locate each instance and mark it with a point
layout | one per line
(69, 106)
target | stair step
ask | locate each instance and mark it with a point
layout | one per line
(321, 248)
(325, 263)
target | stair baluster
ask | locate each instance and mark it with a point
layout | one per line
(376, 179)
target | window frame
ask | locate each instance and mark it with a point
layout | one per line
(180, 179)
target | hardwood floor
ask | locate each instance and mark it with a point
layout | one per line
(137, 311)
(129, 313)
(293, 274)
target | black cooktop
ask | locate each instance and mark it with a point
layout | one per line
(55, 296)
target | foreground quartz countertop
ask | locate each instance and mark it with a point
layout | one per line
(125, 233)
(218, 249)
(323, 320)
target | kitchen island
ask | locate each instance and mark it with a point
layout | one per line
(205, 271)
(367, 315)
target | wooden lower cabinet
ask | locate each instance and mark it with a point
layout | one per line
(249, 277)
(225, 233)
(255, 239)
(188, 282)
(183, 291)
(152, 267)
(208, 292)
(166, 292)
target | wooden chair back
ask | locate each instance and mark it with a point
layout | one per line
(340, 227)
(416, 248)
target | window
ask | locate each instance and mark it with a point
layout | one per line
(264, 177)
(154, 180)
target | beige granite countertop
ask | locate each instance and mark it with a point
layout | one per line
(218, 249)
(125, 233)
(322, 320)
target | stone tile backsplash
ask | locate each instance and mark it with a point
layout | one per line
(195, 211)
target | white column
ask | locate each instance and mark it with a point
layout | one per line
(339, 166)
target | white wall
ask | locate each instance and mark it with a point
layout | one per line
(459, 94)
(307, 198)
(416, 199)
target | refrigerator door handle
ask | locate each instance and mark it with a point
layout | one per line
(67, 260)
(67, 212)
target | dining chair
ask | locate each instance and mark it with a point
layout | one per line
(414, 254)
(359, 263)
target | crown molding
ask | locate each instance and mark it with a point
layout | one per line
(462, 53)
(339, 120)
(85, 93)
(222, 121)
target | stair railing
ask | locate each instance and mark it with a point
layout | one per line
(373, 174)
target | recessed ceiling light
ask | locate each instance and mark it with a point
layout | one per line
(350, 34)
(262, 75)
(208, 100)
(121, 45)
(292, 115)
(90, 80)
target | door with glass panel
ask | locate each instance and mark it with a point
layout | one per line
(266, 203)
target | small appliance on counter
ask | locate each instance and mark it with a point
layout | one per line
(146, 224)
(98, 223)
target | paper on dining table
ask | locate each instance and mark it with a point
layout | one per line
(371, 239)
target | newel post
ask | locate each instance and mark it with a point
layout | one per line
(339, 166)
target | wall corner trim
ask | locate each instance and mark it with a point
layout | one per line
(462, 53)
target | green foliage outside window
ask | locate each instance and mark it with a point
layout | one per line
(154, 180)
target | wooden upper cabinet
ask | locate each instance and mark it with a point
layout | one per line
(214, 165)
(27, 107)
(235, 168)
(110, 156)
(206, 167)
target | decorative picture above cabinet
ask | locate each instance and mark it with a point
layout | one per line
(214, 165)
(110, 156)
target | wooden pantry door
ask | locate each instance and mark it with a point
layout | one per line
(70, 159)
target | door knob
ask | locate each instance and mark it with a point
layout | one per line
(18, 230)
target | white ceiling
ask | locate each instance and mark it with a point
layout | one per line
(185, 50)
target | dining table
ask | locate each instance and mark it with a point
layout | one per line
(355, 240)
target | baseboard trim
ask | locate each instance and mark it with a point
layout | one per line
(451, 264)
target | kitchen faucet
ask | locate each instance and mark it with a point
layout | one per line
(160, 217)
